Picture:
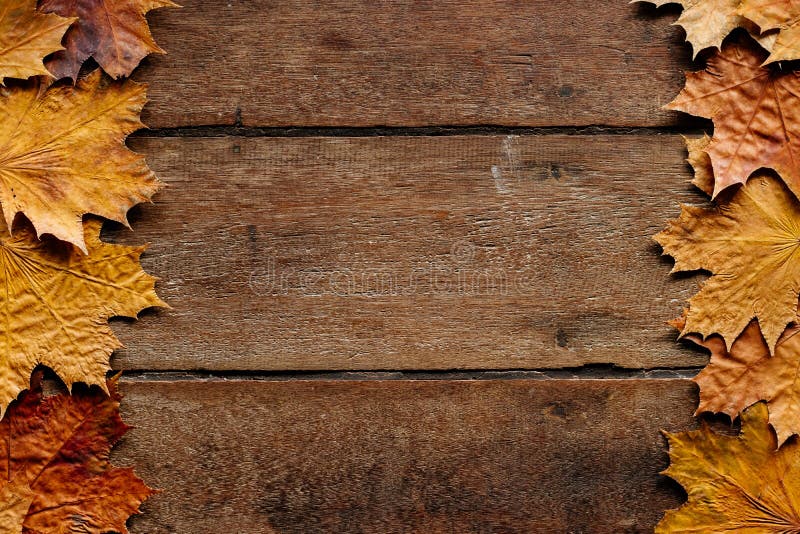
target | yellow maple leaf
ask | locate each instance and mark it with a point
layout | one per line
(751, 245)
(735, 483)
(56, 303)
(781, 15)
(26, 37)
(63, 154)
(706, 22)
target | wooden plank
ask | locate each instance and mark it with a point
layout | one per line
(414, 63)
(404, 456)
(411, 253)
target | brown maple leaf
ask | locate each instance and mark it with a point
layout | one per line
(781, 15)
(26, 37)
(56, 304)
(63, 154)
(756, 115)
(747, 373)
(751, 245)
(706, 22)
(113, 32)
(738, 483)
(54, 454)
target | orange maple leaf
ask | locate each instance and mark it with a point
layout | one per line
(747, 373)
(756, 115)
(781, 15)
(56, 304)
(26, 37)
(54, 453)
(63, 154)
(114, 33)
(735, 483)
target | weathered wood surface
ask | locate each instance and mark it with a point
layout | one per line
(411, 253)
(526, 456)
(408, 253)
(414, 63)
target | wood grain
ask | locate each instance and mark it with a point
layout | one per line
(414, 63)
(410, 253)
(430, 457)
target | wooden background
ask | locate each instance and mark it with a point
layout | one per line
(407, 244)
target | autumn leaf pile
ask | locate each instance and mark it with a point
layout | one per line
(747, 237)
(66, 109)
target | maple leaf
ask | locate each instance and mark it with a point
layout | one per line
(700, 162)
(54, 452)
(782, 15)
(113, 32)
(706, 22)
(15, 500)
(56, 304)
(63, 154)
(737, 378)
(26, 37)
(735, 483)
(756, 115)
(751, 246)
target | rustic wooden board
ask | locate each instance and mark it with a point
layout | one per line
(431, 457)
(414, 63)
(411, 253)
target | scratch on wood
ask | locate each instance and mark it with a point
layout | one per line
(509, 161)
(510, 156)
(499, 181)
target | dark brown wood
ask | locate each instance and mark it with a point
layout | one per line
(408, 253)
(414, 63)
(411, 253)
(431, 457)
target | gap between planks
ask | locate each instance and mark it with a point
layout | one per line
(586, 372)
(691, 127)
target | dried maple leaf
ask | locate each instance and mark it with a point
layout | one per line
(26, 37)
(737, 378)
(782, 15)
(63, 154)
(747, 373)
(15, 500)
(54, 453)
(57, 302)
(735, 483)
(751, 246)
(756, 115)
(113, 32)
(706, 22)
(701, 164)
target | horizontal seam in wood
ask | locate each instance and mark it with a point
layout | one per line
(426, 131)
(587, 372)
